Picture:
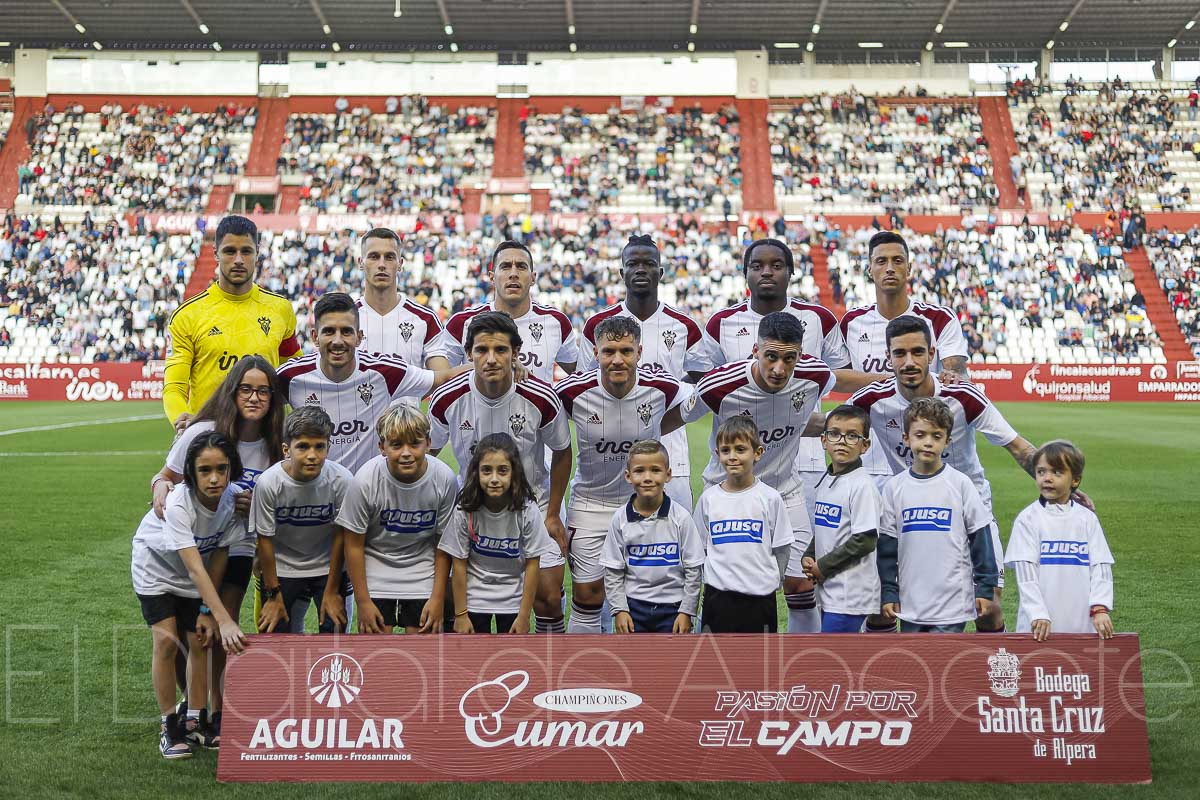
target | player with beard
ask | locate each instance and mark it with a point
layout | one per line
(671, 341)
(546, 333)
(393, 324)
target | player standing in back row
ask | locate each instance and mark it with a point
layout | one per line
(546, 333)
(670, 340)
(863, 330)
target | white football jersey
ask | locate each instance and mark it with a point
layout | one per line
(547, 338)
(530, 412)
(740, 531)
(606, 427)
(973, 413)
(653, 551)
(731, 390)
(863, 330)
(156, 566)
(402, 523)
(1069, 561)
(932, 517)
(409, 331)
(299, 517)
(845, 505)
(356, 403)
(255, 460)
(672, 342)
(496, 546)
(733, 332)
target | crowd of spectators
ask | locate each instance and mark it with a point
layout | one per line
(855, 154)
(1176, 261)
(154, 158)
(89, 292)
(1116, 148)
(415, 158)
(649, 160)
(1022, 294)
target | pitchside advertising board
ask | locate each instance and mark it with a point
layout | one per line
(685, 708)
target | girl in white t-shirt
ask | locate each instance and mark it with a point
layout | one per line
(496, 537)
(177, 564)
(1060, 555)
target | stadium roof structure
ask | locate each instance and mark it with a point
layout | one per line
(891, 30)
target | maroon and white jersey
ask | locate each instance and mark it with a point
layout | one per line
(606, 428)
(530, 412)
(671, 341)
(972, 411)
(864, 332)
(732, 333)
(355, 403)
(547, 338)
(410, 331)
(731, 390)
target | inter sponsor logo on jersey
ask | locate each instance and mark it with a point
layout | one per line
(496, 547)
(1065, 553)
(736, 531)
(827, 515)
(926, 519)
(305, 516)
(399, 520)
(661, 554)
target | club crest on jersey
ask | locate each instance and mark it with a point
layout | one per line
(364, 392)
(517, 423)
(265, 324)
(798, 399)
(644, 412)
(406, 331)
(669, 338)
(535, 331)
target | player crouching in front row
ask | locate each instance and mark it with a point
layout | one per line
(292, 513)
(653, 554)
(936, 564)
(177, 564)
(1060, 555)
(396, 509)
(496, 537)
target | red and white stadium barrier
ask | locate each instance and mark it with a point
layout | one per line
(685, 708)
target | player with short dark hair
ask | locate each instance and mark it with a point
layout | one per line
(546, 332)
(393, 324)
(231, 319)
(292, 516)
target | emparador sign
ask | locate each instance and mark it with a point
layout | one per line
(685, 708)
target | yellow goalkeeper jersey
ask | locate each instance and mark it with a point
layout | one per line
(211, 331)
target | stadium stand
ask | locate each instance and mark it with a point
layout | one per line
(414, 160)
(851, 154)
(1176, 261)
(645, 162)
(1022, 294)
(153, 158)
(1107, 149)
(6, 118)
(89, 292)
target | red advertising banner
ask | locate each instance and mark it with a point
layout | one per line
(1177, 381)
(685, 708)
(84, 382)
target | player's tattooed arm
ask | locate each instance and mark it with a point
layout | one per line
(1022, 452)
(954, 370)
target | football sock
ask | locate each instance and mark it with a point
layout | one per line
(584, 619)
(886, 627)
(551, 625)
(803, 616)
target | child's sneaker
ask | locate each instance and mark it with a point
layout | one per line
(214, 724)
(171, 741)
(200, 733)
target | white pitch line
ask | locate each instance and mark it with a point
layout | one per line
(104, 453)
(84, 424)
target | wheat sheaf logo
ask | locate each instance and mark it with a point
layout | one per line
(334, 680)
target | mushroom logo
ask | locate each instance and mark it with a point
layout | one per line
(490, 699)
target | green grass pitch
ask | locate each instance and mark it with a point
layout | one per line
(77, 716)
